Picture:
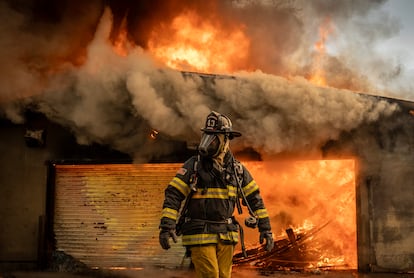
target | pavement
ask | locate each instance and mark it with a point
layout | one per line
(169, 273)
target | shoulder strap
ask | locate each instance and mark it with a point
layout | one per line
(238, 172)
(194, 176)
(193, 187)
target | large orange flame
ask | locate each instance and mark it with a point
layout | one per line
(192, 43)
(121, 44)
(318, 73)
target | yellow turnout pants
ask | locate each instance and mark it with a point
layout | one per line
(213, 260)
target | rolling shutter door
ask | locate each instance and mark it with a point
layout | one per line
(108, 215)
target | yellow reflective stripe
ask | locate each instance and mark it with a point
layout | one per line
(250, 188)
(169, 213)
(199, 239)
(215, 193)
(180, 185)
(230, 236)
(232, 190)
(262, 213)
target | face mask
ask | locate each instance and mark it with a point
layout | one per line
(209, 145)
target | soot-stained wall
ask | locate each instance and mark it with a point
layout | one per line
(23, 184)
(385, 190)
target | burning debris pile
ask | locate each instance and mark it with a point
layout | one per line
(297, 251)
(315, 199)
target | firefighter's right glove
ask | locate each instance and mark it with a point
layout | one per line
(268, 236)
(165, 235)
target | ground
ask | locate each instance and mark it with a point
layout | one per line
(237, 273)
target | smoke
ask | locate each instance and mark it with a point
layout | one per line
(68, 70)
(38, 40)
(288, 30)
(292, 115)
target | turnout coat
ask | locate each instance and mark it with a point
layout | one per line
(209, 215)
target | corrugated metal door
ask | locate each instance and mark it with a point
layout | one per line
(108, 215)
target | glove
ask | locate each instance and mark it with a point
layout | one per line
(267, 235)
(165, 238)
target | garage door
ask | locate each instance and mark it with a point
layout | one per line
(108, 215)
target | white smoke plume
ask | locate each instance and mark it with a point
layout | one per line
(116, 100)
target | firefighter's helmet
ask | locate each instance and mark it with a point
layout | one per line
(219, 123)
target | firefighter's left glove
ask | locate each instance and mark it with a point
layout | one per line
(265, 230)
(165, 235)
(268, 237)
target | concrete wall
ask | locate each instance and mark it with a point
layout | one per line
(23, 186)
(385, 215)
(22, 195)
(392, 216)
(385, 191)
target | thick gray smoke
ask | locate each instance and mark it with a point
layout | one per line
(116, 100)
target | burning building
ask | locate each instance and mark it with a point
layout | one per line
(113, 104)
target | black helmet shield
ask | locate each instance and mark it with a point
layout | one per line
(217, 130)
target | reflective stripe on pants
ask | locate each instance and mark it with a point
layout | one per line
(213, 260)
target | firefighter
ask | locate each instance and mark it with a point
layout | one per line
(210, 185)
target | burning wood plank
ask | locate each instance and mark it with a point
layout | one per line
(292, 252)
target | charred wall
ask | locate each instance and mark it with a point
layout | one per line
(23, 180)
(385, 178)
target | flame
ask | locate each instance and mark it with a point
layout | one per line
(192, 43)
(305, 195)
(121, 44)
(318, 73)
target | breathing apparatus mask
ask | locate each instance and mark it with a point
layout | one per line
(217, 133)
(211, 145)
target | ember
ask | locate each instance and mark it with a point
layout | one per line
(154, 134)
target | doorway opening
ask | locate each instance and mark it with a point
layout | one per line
(312, 207)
